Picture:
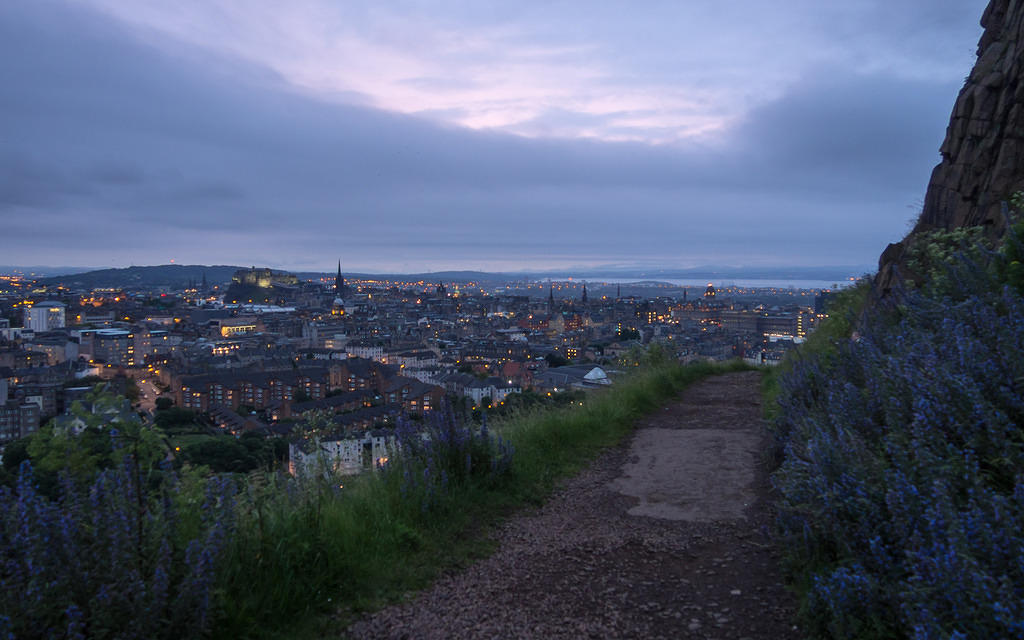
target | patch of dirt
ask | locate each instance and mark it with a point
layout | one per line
(663, 537)
(699, 475)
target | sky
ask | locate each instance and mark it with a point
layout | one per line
(412, 136)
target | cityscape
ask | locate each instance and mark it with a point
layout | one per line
(260, 353)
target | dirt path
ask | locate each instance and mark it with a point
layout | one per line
(660, 538)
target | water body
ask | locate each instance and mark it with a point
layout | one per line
(724, 283)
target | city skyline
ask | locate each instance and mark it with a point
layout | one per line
(483, 137)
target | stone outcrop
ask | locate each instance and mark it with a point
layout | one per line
(983, 153)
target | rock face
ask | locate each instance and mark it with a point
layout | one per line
(983, 153)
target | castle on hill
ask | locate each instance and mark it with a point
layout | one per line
(264, 278)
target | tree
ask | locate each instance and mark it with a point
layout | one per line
(176, 419)
(87, 381)
(14, 454)
(222, 454)
(131, 391)
(627, 333)
(555, 360)
(101, 439)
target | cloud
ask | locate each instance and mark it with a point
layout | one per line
(489, 65)
(121, 141)
(837, 130)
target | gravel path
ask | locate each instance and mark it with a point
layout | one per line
(662, 537)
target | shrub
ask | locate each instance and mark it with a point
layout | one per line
(442, 453)
(108, 560)
(902, 480)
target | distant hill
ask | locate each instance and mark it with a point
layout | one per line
(178, 275)
(165, 275)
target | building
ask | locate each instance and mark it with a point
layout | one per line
(57, 347)
(18, 418)
(778, 324)
(114, 347)
(572, 377)
(367, 350)
(412, 394)
(263, 278)
(493, 387)
(821, 301)
(342, 455)
(240, 325)
(256, 389)
(45, 316)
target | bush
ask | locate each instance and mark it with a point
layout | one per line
(443, 453)
(108, 559)
(902, 480)
(222, 454)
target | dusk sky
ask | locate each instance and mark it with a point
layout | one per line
(413, 136)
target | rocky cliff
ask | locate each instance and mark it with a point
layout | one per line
(983, 153)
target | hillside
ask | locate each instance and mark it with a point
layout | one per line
(165, 275)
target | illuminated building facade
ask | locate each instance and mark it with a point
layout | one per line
(45, 316)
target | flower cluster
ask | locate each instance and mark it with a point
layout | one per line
(441, 452)
(902, 472)
(109, 559)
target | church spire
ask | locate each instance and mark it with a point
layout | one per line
(339, 281)
(551, 298)
(584, 298)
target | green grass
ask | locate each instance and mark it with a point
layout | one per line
(305, 560)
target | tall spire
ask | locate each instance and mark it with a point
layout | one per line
(551, 297)
(618, 291)
(339, 281)
(584, 298)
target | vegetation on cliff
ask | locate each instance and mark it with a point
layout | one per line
(902, 455)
